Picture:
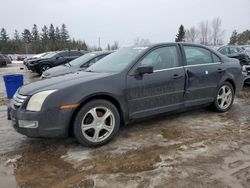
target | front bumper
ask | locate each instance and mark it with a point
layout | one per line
(50, 123)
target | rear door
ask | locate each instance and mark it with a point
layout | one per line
(161, 90)
(204, 71)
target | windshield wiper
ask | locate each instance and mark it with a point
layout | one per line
(68, 65)
(88, 70)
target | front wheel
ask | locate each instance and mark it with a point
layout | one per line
(44, 68)
(96, 123)
(224, 97)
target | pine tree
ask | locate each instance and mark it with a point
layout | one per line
(57, 34)
(26, 36)
(3, 35)
(233, 38)
(35, 33)
(45, 38)
(52, 32)
(64, 33)
(35, 38)
(180, 35)
(16, 36)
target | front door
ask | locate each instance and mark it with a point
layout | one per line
(161, 90)
(203, 71)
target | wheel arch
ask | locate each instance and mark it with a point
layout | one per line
(107, 97)
(229, 80)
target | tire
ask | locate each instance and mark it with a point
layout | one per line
(44, 68)
(100, 120)
(225, 96)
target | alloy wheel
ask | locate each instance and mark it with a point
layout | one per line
(224, 97)
(97, 124)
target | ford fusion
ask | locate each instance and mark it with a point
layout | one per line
(132, 83)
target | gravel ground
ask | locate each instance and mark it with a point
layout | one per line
(196, 148)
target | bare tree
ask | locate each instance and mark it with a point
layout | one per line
(204, 32)
(191, 34)
(115, 46)
(141, 42)
(217, 31)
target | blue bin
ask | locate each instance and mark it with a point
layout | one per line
(12, 83)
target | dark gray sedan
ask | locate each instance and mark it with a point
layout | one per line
(79, 63)
(131, 83)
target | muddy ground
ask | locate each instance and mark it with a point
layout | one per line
(197, 148)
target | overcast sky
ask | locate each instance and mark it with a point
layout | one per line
(123, 20)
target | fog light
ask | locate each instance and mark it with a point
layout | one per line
(28, 124)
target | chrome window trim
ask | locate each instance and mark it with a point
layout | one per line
(204, 64)
(168, 69)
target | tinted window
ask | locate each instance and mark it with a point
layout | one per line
(82, 59)
(216, 58)
(63, 54)
(224, 51)
(233, 50)
(197, 55)
(162, 58)
(75, 53)
(93, 61)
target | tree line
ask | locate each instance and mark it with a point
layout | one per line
(34, 41)
(210, 33)
(240, 38)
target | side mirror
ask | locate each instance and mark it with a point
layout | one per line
(145, 69)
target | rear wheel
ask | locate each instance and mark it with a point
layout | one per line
(96, 123)
(224, 97)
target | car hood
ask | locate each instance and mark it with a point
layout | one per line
(60, 70)
(61, 82)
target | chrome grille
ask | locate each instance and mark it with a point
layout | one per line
(18, 99)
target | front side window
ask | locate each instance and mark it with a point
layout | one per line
(162, 58)
(197, 55)
(233, 50)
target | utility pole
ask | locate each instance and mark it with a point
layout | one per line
(99, 44)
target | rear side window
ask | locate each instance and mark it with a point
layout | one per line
(197, 55)
(63, 54)
(162, 58)
(75, 53)
(224, 51)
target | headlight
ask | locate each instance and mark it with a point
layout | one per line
(36, 101)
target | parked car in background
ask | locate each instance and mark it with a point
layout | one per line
(54, 59)
(8, 59)
(247, 49)
(35, 57)
(235, 52)
(77, 64)
(3, 61)
(131, 83)
(20, 57)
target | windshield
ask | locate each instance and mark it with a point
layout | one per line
(116, 61)
(50, 55)
(82, 59)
